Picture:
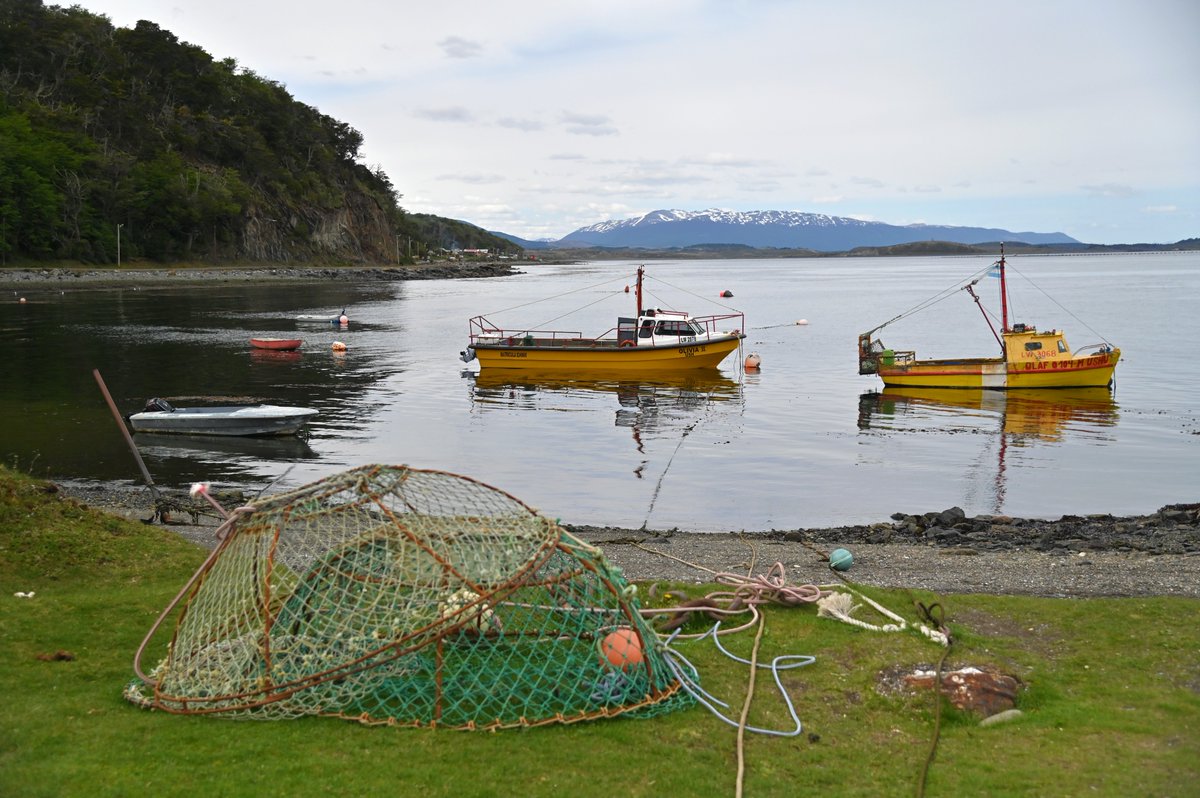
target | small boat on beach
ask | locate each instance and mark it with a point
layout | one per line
(160, 416)
(653, 341)
(277, 344)
(1029, 358)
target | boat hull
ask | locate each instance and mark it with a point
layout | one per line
(1090, 371)
(257, 420)
(607, 356)
(276, 344)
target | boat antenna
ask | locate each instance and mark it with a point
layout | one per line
(1003, 293)
(639, 289)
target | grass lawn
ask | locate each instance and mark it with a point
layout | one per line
(1111, 704)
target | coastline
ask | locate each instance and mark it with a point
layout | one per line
(941, 552)
(91, 277)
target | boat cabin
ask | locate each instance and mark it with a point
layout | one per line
(1024, 344)
(656, 326)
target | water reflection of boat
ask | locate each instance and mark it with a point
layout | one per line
(1041, 414)
(275, 355)
(662, 404)
(697, 382)
(1023, 418)
(226, 447)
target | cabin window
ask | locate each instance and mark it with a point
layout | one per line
(647, 328)
(1062, 345)
(1033, 346)
(674, 328)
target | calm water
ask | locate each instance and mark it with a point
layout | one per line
(804, 442)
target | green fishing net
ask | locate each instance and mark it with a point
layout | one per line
(388, 594)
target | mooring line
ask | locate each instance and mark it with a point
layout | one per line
(654, 497)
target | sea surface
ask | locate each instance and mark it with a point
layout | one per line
(805, 441)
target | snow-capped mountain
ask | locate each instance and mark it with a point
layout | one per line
(781, 229)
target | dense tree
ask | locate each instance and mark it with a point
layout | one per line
(101, 126)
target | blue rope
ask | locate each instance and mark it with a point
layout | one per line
(691, 685)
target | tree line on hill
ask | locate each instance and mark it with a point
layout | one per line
(124, 143)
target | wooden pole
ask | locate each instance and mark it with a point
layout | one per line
(128, 438)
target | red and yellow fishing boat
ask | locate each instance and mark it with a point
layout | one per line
(1029, 358)
(655, 341)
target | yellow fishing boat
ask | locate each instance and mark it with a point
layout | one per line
(654, 341)
(1029, 358)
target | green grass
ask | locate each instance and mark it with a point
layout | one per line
(1112, 704)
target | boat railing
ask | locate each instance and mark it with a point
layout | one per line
(873, 353)
(485, 332)
(1100, 349)
(722, 323)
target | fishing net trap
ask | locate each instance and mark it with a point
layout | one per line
(389, 594)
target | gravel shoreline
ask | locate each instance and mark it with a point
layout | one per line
(83, 277)
(942, 552)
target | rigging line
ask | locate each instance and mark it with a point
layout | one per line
(571, 312)
(654, 497)
(928, 303)
(557, 296)
(692, 293)
(1056, 302)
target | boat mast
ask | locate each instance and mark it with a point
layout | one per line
(1003, 294)
(639, 291)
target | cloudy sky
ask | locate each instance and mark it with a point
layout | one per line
(537, 117)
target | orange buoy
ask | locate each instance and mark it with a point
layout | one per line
(622, 648)
(753, 361)
(338, 346)
(627, 289)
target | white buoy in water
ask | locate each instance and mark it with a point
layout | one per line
(753, 361)
(802, 322)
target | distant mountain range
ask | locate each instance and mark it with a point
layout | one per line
(773, 229)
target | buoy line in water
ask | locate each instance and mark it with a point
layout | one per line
(797, 323)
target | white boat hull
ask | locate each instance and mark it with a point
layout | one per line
(236, 420)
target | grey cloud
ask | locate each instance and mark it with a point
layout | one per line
(578, 130)
(584, 120)
(458, 47)
(454, 114)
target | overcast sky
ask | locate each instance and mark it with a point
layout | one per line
(537, 117)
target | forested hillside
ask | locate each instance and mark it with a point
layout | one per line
(129, 137)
